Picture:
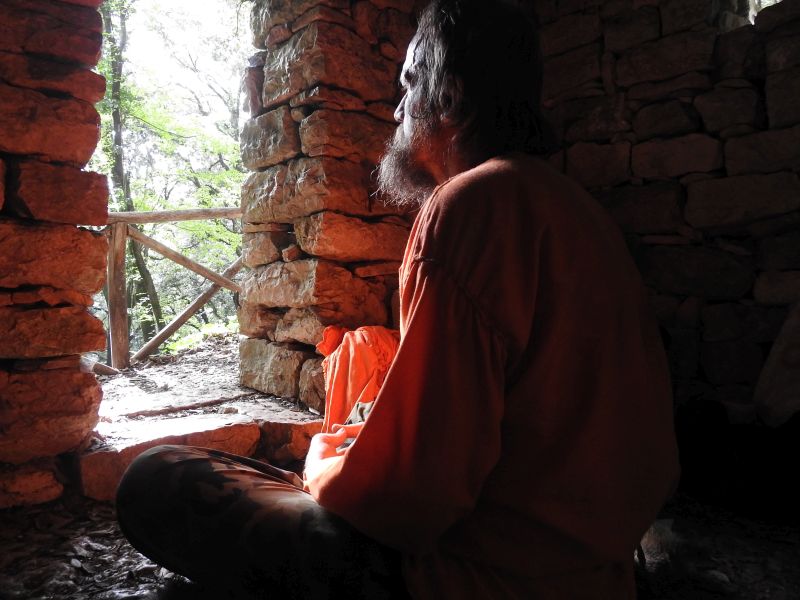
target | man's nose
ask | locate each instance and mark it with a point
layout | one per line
(399, 112)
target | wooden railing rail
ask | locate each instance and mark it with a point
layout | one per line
(118, 230)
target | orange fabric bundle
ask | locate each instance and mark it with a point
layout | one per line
(355, 365)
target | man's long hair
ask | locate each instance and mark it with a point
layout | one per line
(481, 64)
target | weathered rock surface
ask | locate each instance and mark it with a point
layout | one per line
(740, 200)
(267, 15)
(680, 15)
(374, 25)
(301, 325)
(646, 209)
(599, 118)
(322, 14)
(723, 108)
(783, 90)
(777, 394)
(597, 165)
(269, 139)
(631, 28)
(44, 295)
(685, 85)
(257, 321)
(783, 52)
(666, 58)
(306, 186)
(2, 183)
(60, 256)
(327, 54)
(271, 368)
(570, 70)
(696, 271)
(51, 76)
(312, 385)
(305, 283)
(378, 269)
(56, 29)
(64, 130)
(777, 287)
(253, 84)
(731, 321)
(693, 153)
(325, 97)
(45, 413)
(344, 135)
(731, 362)
(740, 53)
(570, 32)
(285, 443)
(34, 483)
(53, 193)
(263, 247)
(666, 119)
(348, 239)
(35, 332)
(780, 253)
(764, 152)
(776, 15)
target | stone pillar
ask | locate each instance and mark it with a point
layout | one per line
(320, 249)
(49, 267)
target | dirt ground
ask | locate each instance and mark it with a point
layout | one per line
(73, 549)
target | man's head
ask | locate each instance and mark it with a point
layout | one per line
(472, 81)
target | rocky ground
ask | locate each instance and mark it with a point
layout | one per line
(73, 549)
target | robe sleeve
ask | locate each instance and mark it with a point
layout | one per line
(433, 436)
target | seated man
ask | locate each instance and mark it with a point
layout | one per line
(522, 440)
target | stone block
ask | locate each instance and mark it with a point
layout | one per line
(51, 76)
(665, 119)
(318, 283)
(776, 15)
(777, 287)
(696, 271)
(374, 25)
(600, 119)
(44, 413)
(733, 201)
(632, 28)
(570, 32)
(301, 325)
(679, 87)
(646, 209)
(44, 295)
(271, 368)
(253, 83)
(2, 184)
(731, 362)
(292, 252)
(312, 385)
(308, 185)
(322, 14)
(566, 7)
(667, 58)
(57, 129)
(285, 443)
(34, 483)
(764, 152)
(597, 165)
(777, 394)
(325, 97)
(740, 53)
(263, 247)
(269, 139)
(348, 239)
(327, 54)
(780, 253)
(783, 52)
(783, 90)
(55, 29)
(357, 137)
(54, 193)
(725, 107)
(683, 353)
(35, 332)
(257, 321)
(570, 70)
(265, 16)
(379, 269)
(680, 15)
(731, 321)
(60, 256)
(693, 153)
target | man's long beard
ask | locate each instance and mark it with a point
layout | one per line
(401, 179)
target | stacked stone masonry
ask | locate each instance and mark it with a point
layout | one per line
(683, 120)
(320, 248)
(50, 267)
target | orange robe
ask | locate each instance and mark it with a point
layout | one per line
(523, 440)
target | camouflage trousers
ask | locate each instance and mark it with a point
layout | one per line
(247, 529)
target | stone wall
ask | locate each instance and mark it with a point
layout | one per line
(320, 249)
(683, 120)
(49, 267)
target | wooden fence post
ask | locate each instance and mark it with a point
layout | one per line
(117, 299)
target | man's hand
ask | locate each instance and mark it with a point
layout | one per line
(327, 448)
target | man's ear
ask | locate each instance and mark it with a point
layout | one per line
(452, 101)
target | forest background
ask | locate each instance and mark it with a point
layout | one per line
(170, 140)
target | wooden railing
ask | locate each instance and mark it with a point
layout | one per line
(119, 230)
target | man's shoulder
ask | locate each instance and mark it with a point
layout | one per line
(491, 177)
